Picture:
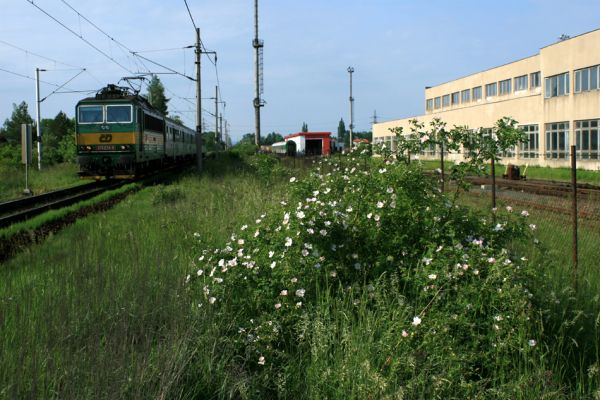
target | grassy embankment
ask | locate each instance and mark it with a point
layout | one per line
(98, 310)
(12, 179)
(101, 310)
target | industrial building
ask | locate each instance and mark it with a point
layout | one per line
(554, 95)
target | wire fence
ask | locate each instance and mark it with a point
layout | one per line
(566, 222)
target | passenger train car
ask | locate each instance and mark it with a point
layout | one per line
(120, 135)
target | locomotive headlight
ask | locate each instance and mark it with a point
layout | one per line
(88, 148)
(123, 147)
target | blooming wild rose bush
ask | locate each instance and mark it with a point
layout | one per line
(353, 227)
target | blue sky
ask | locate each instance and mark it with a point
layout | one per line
(396, 48)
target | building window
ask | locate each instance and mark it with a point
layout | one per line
(586, 79)
(428, 150)
(491, 89)
(557, 85)
(505, 87)
(588, 139)
(477, 93)
(557, 140)
(521, 82)
(446, 100)
(429, 105)
(535, 80)
(465, 96)
(530, 148)
(437, 102)
(455, 98)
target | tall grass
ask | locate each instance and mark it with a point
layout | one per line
(12, 179)
(102, 310)
(572, 308)
(99, 310)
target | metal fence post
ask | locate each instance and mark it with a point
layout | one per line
(493, 183)
(574, 210)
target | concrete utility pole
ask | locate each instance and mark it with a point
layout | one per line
(258, 56)
(220, 127)
(198, 104)
(350, 71)
(38, 116)
(216, 114)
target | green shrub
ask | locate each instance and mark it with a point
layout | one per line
(351, 243)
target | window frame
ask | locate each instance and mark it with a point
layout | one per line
(118, 105)
(465, 99)
(535, 77)
(477, 90)
(557, 85)
(488, 88)
(446, 100)
(519, 80)
(527, 149)
(79, 107)
(591, 129)
(557, 141)
(454, 96)
(505, 87)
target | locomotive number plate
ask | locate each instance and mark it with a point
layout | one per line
(105, 147)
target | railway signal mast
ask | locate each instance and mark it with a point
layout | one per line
(258, 58)
(351, 71)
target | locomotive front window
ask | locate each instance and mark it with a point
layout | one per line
(118, 114)
(90, 114)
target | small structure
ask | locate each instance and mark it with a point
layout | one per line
(309, 143)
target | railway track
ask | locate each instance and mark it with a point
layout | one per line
(542, 187)
(22, 209)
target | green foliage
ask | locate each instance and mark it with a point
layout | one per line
(342, 133)
(375, 239)
(167, 195)
(271, 138)
(304, 127)
(58, 140)
(11, 130)
(156, 95)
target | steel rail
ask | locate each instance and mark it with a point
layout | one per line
(22, 209)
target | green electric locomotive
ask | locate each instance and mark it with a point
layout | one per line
(120, 135)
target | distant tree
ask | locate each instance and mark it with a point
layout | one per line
(304, 127)
(271, 138)
(210, 142)
(156, 95)
(58, 139)
(342, 134)
(248, 138)
(177, 119)
(11, 130)
(364, 135)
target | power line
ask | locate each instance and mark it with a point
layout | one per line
(162, 66)
(189, 12)
(79, 36)
(29, 77)
(169, 49)
(38, 55)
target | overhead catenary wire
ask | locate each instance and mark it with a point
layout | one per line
(190, 14)
(29, 77)
(39, 55)
(79, 36)
(63, 85)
